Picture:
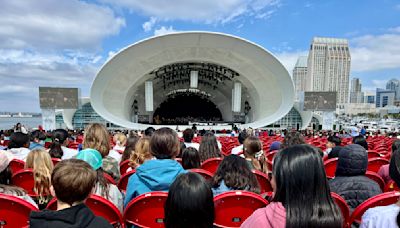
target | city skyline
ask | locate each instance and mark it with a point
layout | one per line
(64, 43)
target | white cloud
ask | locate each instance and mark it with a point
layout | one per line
(164, 30)
(208, 11)
(394, 30)
(148, 25)
(68, 24)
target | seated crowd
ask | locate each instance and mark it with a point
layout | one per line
(158, 160)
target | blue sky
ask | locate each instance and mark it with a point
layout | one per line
(65, 42)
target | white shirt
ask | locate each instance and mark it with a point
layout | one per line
(116, 155)
(115, 196)
(237, 150)
(383, 216)
(20, 153)
(68, 153)
(192, 144)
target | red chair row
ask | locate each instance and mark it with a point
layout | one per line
(374, 164)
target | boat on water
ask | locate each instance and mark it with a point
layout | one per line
(20, 115)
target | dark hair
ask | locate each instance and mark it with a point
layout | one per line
(149, 131)
(18, 140)
(292, 138)
(190, 158)
(58, 138)
(129, 147)
(5, 176)
(334, 139)
(73, 180)
(188, 135)
(360, 140)
(209, 147)
(242, 136)
(189, 203)
(236, 174)
(302, 188)
(37, 134)
(251, 146)
(164, 144)
(396, 145)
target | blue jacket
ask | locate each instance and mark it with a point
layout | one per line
(153, 175)
(221, 189)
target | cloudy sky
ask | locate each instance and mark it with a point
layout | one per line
(65, 42)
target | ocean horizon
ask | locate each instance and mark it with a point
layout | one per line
(29, 122)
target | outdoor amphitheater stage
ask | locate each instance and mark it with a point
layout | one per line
(205, 75)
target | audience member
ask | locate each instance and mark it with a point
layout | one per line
(119, 140)
(301, 193)
(384, 170)
(37, 140)
(141, 153)
(149, 131)
(253, 151)
(234, 174)
(209, 147)
(276, 145)
(129, 148)
(157, 174)
(350, 181)
(188, 135)
(58, 148)
(292, 138)
(360, 140)
(72, 182)
(190, 158)
(241, 138)
(333, 146)
(18, 145)
(189, 203)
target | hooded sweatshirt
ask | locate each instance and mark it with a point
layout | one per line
(73, 217)
(153, 175)
(350, 181)
(271, 216)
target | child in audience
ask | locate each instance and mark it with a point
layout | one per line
(188, 136)
(385, 216)
(141, 153)
(40, 162)
(103, 188)
(252, 151)
(301, 193)
(96, 137)
(189, 203)
(209, 147)
(37, 140)
(119, 140)
(190, 158)
(58, 148)
(18, 145)
(234, 174)
(72, 182)
(157, 174)
(129, 148)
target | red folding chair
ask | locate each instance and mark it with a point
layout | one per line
(100, 207)
(378, 179)
(330, 167)
(234, 207)
(374, 164)
(109, 178)
(270, 155)
(262, 178)
(344, 208)
(383, 199)
(123, 181)
(14, 211)
(55, 161)
(204, 173)
(123, 167)
(25, 179)
(373, 154)
(16, 165)
(391, 186)
(211, 164)
(146, 210)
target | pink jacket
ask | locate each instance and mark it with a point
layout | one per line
(271, 216)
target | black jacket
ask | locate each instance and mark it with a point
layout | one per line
(76, 216)
(335, 152)
(350, 181)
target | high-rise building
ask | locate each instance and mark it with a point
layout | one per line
(384, 97)
(356, 96)
(300, 75)
(394, 85)
(369, 97)
(329, 67)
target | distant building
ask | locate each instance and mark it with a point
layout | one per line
(384, 97)
(329, 67)
(300, 75)
(369, 97)
(356, 96)
(394, 85)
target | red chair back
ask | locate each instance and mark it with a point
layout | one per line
(378, 179)
(55, 161)
(16, 165)
(391, 186)
(234, 207)
(123, 181)
(100, 207)
(123, 167)
(262, 178)
(270, 155)
(344, 208)
(374, 164)
(146, 210)
(383, 199)
(25, 179)
(372, 154)
(14, 211)
(109, 178)
(204, 173)
(211, 165)
(330, 167)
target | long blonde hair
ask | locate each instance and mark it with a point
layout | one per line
(40, 162)
(141, 153)
(96, 137)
